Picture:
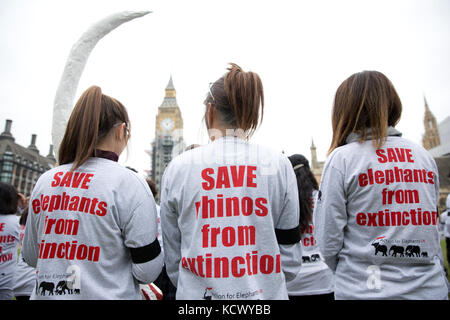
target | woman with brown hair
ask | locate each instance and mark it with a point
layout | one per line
(315, 279)
(229, 214)
(91, 230)
(376, 214)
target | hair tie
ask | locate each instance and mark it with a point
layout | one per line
(298, 166)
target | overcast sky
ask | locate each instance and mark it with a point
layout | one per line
(302, 50)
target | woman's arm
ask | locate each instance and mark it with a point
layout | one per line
(170, 232)
(287, 228)
(330, 215)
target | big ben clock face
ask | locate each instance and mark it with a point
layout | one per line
(167, 124)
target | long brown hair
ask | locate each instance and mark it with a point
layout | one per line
(9, 198)
(92, 118)
(366, 100)
(306, 184)
(238, 96)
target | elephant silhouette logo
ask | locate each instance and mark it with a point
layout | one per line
(380, 248)
(394, 250)
(315, 257)
(61, 288)
(312, 258)
(46, 286)
(412, 251)
(399, 251)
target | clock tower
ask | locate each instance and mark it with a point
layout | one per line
(168, 141)
(431, 137)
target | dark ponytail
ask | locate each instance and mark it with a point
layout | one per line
(306, 184)
(92, 118)
(238, 96)
(9, 198)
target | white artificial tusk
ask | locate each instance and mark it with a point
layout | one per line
(78, 56)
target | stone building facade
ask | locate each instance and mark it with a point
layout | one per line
(22, 166)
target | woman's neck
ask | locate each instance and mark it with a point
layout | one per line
(108, 145)
(99, 153)
(219, 132)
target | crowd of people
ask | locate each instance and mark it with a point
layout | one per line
(236, 220)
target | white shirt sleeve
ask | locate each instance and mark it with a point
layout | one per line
(149, 271)
(140, 237)
(30, 247)
(330, 215)
(289, 220)
(170, 231)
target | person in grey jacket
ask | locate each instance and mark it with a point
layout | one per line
(376, 213)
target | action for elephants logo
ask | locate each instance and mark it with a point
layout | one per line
(312, 258)
(210, 294)
(385, 247)
(49, 288)
(59, 284)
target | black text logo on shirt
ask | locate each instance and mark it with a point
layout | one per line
(391, 248)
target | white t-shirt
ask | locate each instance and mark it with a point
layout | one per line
(9, 240)
(91, 233)
(159, 234)
(24, 275)
(377, 222)
(314, 277)
(224, 206)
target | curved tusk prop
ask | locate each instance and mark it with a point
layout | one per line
(79, 54)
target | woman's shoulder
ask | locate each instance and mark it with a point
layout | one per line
(117, 176)
(394, 146)
(12, 220)
(401, 142)
(226, 151)
(49, 174)
(109, 170)
(340, 153)
(130, 177)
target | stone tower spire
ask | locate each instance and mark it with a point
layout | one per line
(430, 138)
(170, 97)
(170, 89)
(313, 155)
(168, 141)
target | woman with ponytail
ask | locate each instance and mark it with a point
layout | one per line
(315, 279)
(229, 214)
(91, 230)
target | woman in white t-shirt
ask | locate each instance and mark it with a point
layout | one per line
(91, 230)
(315, 279)
(9, 239)
(376, 213)
(229, 213)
